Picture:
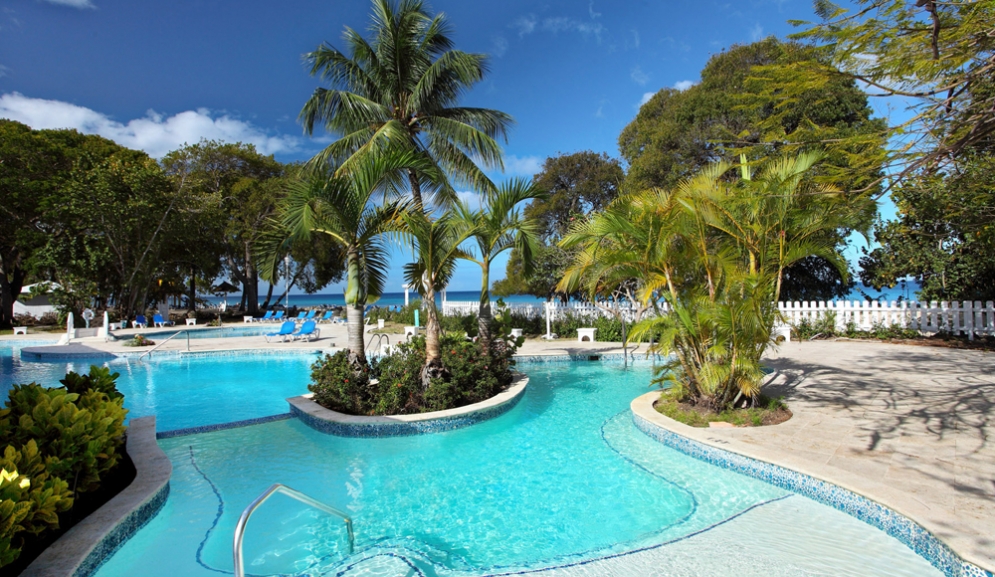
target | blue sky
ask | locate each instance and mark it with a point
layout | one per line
(155, 75)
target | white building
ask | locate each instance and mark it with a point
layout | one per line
(36, 306)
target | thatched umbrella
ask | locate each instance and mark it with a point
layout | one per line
(223, 289)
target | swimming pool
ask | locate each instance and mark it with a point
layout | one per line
(563, 482)
(256, 330)
(182, 390)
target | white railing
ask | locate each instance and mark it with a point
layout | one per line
(958, 318)
(967, 318)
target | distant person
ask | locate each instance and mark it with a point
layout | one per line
(87, 316)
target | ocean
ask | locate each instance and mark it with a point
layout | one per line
(859, 293)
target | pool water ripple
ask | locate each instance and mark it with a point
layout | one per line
(563, 482)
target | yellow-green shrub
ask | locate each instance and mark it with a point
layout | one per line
(28, 508)
(79, 435)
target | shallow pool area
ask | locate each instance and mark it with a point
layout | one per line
(182, 390)
(563, 483)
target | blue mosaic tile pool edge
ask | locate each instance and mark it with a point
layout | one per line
(402, 429)
(120, 534)
(222, 426)
(910, 533)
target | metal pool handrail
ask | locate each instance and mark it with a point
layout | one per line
(294, 494)
(177, 333)
(379, 337)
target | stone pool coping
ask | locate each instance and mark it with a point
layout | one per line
(334, 423)
(85, 547)
(866, 500)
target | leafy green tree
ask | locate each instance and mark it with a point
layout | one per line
(342, 210)
(34, 164)
(944, 235)
(400, 88)
(500, 226)
(437, 246)
(712, 251)
(938, 57)
(236, 189)
(111, 227)
(576, 185)
(756, 100)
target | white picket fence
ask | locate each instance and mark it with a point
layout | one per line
(965, 318)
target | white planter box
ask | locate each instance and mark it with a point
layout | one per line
(586, 334)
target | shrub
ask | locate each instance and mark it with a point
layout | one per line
(392, 384)
(79, 434)
(23, 320)
(337, 386)
(52, 437)
(30, 500)
(138, 341)
(50, 318)
(99, 379)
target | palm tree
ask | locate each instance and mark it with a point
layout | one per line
(340, 207)
(401, 89)
(436, 245)
(499, 225)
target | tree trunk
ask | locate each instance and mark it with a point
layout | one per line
(192, 305)
(357, 346)
(269, 297)
(415, 188)
(433, 368)
(10, 288)
(250, 287)
(484, 312)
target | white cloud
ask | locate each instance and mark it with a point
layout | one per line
(525, 25)
(3, 70)
(154, 133)
(683, 85)
(499, 46)
(529, 24)
(646, 98)
(638, 76)
(522, 165)
(73, 3)
(590, 10)
(757, 32)
(470, 198)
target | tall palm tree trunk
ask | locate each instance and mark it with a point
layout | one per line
(357, 348)
(415, 188)
(433, 368)
(484, 312)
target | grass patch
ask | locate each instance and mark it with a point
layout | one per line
(767, 412)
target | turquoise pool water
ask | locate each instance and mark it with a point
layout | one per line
(183, 391)
(561, 479)
(253, 330)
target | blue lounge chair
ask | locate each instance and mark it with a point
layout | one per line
(158, 321)
(310, 315)
(277, 317)
(140, 322)
(286, 330)
(264, 318)
(309, 330)
(300, 316)
(327, 318)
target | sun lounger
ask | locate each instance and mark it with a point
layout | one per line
(158, 321)
(309, 330)
(262, 319)
(277, 317)
(300, 316)
(141, 322)
(286, 330)
(310, 315)
(327, 318)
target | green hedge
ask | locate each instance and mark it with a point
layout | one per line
(391, 385)
(57, 444)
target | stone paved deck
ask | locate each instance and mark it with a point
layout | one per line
(908, 426)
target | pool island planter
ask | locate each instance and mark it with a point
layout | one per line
(841, 491)
(85, 547)
(334, 423)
